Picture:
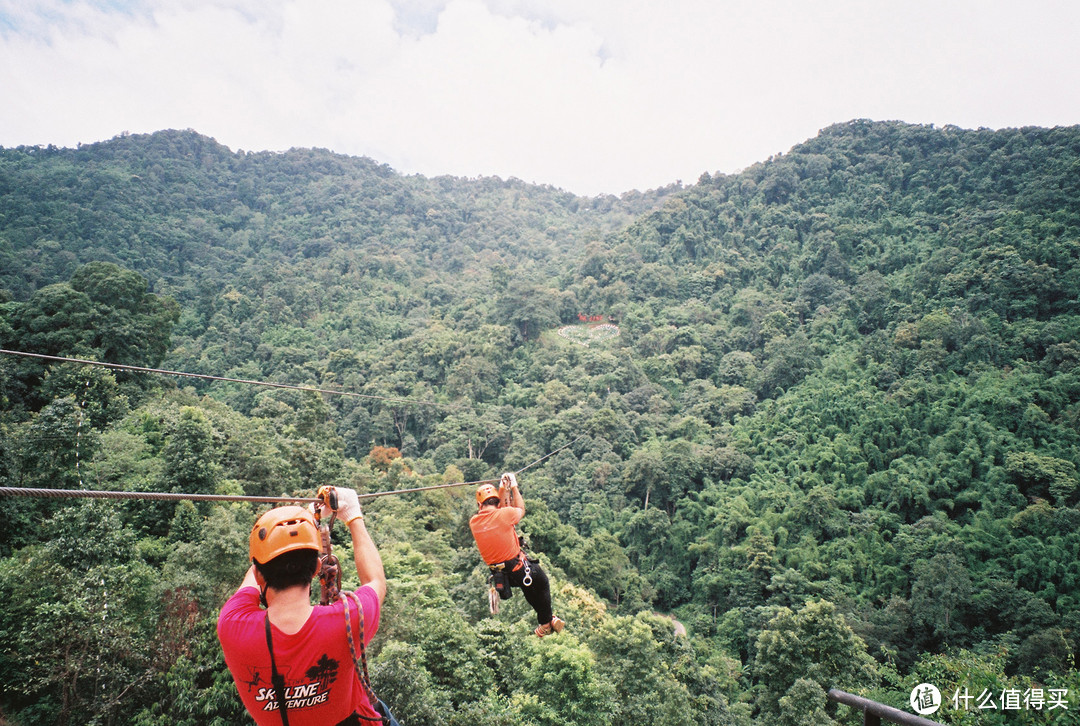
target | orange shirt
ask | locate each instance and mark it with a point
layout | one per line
(494, 533)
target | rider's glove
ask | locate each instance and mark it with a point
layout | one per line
(348, 505)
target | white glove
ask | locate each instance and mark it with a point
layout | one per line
(508, 480)
(348, 505)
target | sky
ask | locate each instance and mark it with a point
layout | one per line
(591, 96)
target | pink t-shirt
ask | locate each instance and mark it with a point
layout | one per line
(320, 682)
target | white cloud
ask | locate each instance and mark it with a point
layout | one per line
(590, 95)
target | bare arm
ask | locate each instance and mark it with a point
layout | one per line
(516, 500)
(369, 564)
(249, 579)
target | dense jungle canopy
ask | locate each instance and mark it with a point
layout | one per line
(836, 440)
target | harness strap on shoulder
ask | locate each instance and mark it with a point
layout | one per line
(276, 679)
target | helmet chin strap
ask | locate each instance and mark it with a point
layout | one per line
(263, 585)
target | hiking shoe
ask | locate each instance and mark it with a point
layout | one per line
(555, 626)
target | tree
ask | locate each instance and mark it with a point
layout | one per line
(191, 454)
(129, 324)
(54, 441)
(560, 685)
(803, 703)
(1037, 475)
(79, 616)
(55, 321)
(104, 313)
(813, 644)
(529, 308)
(645, 472)
(942, 586)
(400, 678)
(472, 435)
(601, 562)
(197, 688)
(647, 689)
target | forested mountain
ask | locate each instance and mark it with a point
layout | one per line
(837, 437)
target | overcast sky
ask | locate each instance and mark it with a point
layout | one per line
(593, 96)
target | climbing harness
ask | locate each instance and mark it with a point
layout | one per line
(523, 553)
(527, 580)
(499, 579)
(499, 587)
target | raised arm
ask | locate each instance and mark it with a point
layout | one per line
(369, 564)
(516, 500)
(249, 579)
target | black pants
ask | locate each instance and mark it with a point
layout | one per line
(538, 594)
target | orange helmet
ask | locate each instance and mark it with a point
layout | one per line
(484, 492)
(280, 530)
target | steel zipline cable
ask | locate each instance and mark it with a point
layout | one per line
(178, 496)
(160, 496)
(207, 377)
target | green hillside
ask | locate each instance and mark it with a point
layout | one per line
(836, 436)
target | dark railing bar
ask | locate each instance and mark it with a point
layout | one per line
(873, 711)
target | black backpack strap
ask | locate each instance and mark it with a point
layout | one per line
(276, 679)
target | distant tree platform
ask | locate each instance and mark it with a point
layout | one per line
(588, 334)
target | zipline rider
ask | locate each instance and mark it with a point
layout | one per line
(500, 546)
(292, 662)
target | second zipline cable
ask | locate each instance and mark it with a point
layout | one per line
(177, 496)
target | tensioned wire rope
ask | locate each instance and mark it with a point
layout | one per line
(208, 377)
(177, 496)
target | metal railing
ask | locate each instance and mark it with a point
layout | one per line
(874, 712)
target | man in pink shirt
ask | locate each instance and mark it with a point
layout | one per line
(291, 662)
